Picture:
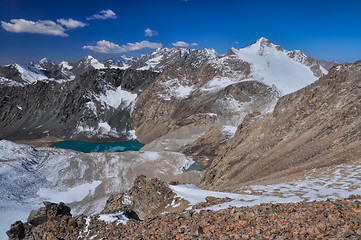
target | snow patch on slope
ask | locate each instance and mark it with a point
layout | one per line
(229, 130)
(118, 217)
(30, 74)
(73, 194)
(333, 182)
(117, 97)
(174, 88)
(9, 82)
(151, 63)
(219, 83)
(65, 65)
(102, 129)
(94, 62)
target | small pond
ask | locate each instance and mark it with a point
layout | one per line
(88, 147)
(196, 166)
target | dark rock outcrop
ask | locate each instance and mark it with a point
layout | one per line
(17, 231)
(145, 198)
(51, 219)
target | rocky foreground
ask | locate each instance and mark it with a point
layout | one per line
(304, 220)
(339, 219)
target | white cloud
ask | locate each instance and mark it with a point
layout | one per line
(149, 33)
(46, 27)
(104, 46)
(71, 23)
(104, 14)
(184, 44)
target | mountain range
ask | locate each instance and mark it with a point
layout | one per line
(264, 124)
(81, 100)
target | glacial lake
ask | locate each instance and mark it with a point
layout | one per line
(88, 147)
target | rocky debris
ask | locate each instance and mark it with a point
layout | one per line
(317, 126)
(49, 212)
(207, 147)
(354, 196)
(145, 198)
(53, 219)
(339, 219)
(17, 231)
(210, 201)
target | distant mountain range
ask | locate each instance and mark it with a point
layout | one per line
(45, 70)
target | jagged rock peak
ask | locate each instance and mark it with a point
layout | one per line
(89, 57)
(44, 60)
(264, 46)
(231, 51)
(263, 41)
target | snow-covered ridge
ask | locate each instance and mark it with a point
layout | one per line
(65, 65)
(89, 60)
(28, 73)
(272, 65)
(163, 57)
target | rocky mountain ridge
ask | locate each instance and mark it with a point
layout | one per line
(186, 87)
(45, 70)
(97, 104)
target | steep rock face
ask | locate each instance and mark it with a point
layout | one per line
(316, 126)
(97, 104)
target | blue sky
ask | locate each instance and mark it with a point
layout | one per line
(70, 30)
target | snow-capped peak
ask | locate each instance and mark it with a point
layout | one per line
(65, 65)
(287, 70)
(44, 60)
(263, 46)
(89, 57)
(263, 40)
(90, 60)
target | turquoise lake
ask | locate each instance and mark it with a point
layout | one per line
(88, 147)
